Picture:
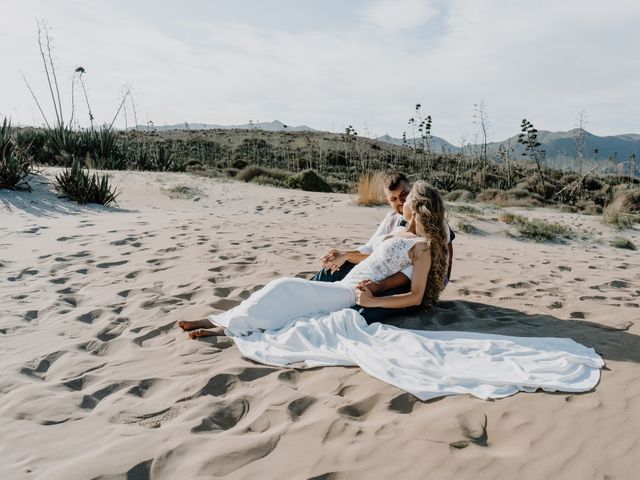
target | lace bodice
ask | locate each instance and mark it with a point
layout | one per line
(388, 257)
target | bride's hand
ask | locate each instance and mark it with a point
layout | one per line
(364, 297)
(374, 287)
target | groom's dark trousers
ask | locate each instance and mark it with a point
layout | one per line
(370, 314)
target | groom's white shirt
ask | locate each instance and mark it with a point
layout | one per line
(387, 226)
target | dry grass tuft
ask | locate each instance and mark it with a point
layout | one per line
(624, 210)
(370, 189)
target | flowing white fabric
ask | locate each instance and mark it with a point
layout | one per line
(298, 322)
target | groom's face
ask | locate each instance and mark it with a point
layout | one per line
(396, 197)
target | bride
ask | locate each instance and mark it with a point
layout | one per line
(292, 321)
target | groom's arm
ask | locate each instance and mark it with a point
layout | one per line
(336, 258)
(397, 280)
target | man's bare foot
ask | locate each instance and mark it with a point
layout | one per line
(214, 332)
(187, 325)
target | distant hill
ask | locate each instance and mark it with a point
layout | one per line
(274, 126)
(561, 147)
(438, 145)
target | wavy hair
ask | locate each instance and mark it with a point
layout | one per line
(429, 210)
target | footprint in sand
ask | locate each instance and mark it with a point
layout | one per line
(402, 403)
(289, 376)
(157, 419)
(225, 417)
(222, 292)
(26, 271)
(474, 428)
(42, 365)
(358, 410)
(89, 317)
(224, 304)
(299, 406)
(113, 330)
(111, 264)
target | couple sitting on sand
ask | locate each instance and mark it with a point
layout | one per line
(378, 298)
(335, 319)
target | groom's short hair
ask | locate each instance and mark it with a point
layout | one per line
(393, 180)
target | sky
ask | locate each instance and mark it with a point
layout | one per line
(333, 63)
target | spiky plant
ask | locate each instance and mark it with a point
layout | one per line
(83, 187)
(15, 163)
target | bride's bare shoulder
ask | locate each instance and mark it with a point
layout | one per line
(420, 247)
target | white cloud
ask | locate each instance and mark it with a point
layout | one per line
(544, 61)
(399, 14)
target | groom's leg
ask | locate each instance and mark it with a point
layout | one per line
(379, 314)
(325, 275)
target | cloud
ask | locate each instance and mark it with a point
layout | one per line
(399, 14)
(544, 61)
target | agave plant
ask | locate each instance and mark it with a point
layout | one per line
(166, 161)
(64, 145)
(83, 187)
(32, 142)
(104, 149)
(15, 163)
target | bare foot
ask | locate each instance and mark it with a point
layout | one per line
(187, 325)
(214, 332)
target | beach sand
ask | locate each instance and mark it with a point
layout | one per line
(96, 380)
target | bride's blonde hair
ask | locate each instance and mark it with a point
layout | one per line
(428, 207)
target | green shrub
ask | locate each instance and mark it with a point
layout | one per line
(248, 173)
(103, 149)
(15, 163)
(467, 210)
(33, 142)
(459, 196)
(589, 207)
(624, 243)
(165, 160)
(269, 181)
(624, 210)
(79, 185)
(309, 181)
(536, 229)
(517, 197)
(466, 227)
(541, 230)
(510, 218)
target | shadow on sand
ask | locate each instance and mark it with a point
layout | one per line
(461, 315)
(44, 201)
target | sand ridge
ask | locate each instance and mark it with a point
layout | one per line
(97, 381)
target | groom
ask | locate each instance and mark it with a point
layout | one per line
(337, 263)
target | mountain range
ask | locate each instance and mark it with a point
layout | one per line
(274, 126)
(561, 147)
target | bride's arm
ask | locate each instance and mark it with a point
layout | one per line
(421, 266)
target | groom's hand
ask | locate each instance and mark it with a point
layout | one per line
(325, 259)
(333, 260)
(364, 297)
(374, 287)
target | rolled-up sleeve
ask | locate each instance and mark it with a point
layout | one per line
(384, 228)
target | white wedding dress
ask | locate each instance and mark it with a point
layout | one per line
(292, 321)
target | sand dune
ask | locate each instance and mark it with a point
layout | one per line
(97, 381)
